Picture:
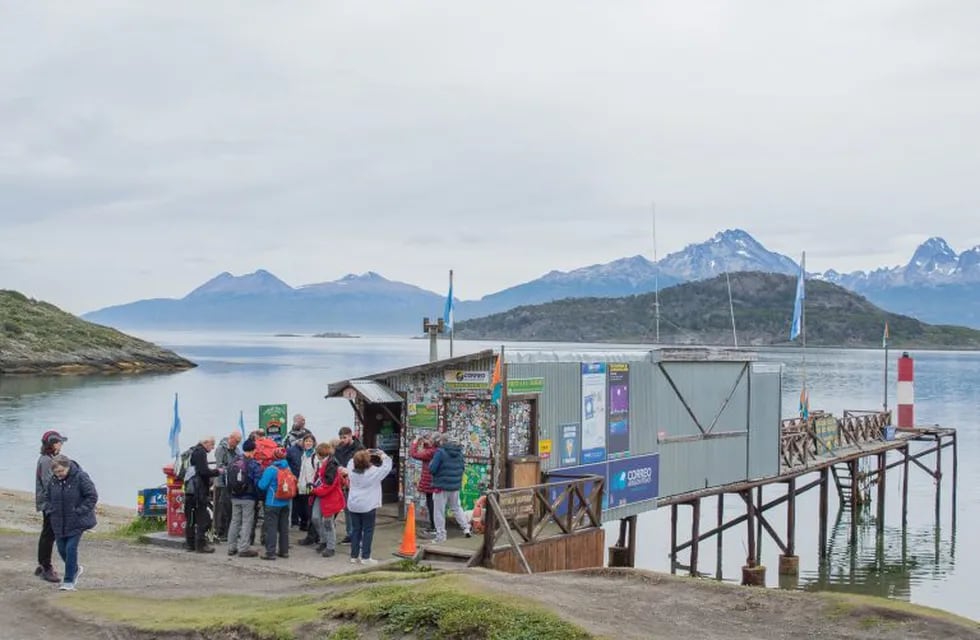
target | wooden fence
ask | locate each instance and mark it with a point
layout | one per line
(804, 441)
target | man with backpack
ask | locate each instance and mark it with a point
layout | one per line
(279, 485)
(197, 493)
(224, 453)
(348, 446)
(241, 480)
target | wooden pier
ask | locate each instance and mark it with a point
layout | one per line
(831, 449)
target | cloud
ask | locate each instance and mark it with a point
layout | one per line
(148, 147)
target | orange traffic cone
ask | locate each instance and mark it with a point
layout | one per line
(408, 548)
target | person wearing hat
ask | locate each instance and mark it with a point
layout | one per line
(51, 442)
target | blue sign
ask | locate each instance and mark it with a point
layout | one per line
(633, 480)
(568, 451)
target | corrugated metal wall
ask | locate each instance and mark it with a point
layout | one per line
(561, 402)
(765, 419)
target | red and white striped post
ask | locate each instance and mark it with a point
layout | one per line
(906, 393)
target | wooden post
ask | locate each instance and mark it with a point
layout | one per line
(747, 497)
(789, 562)
(631, 554)
(721, 518)
(882, 463)
(856, 498)
(489, 533)
(752, 572)
(695, 533)
(905, 488)
(758, 526)
(954, 481)
(824, 498)
(939, 475)
(673, 539)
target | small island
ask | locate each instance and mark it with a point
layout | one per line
(38, 338)
(333, 334)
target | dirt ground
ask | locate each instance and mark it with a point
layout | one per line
(620, 604)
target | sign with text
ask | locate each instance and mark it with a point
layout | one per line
(633, 480)
(544, 449)
(520, 386)
(825, 430)
(423, 416)
(618, 440)
(458, 380)
(593, 412)
(569, 445)
(515, 504)
(272, 420)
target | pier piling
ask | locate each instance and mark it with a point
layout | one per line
(824, 507)
(695, 534)
(789, 562)
(880, 524)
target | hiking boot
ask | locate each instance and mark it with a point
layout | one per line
(346, 540)
(38, 570)
(50, 575)
(328, 553)
(189, 547)
(233, 552)
(248, 553)
(304, 527)
(269, 556)
(305, 542)
(205, 548)
(283, 555)
(320, 547)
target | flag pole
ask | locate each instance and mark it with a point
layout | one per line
(803, 327)
(452, 316)
(884, 341)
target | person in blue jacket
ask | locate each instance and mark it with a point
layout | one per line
(447, 467)
(276, 511)
(70, 504)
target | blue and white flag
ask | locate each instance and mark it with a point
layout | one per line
(241, 423)
(797, 327)
(447, 313)
(174, 439)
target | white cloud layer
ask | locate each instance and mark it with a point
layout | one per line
(145, 147)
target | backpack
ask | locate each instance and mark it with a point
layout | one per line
(286, 488)
(265, 451)
(183, 465)
(237, 479)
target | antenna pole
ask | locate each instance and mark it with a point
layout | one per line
(656, 277)
(731, 309)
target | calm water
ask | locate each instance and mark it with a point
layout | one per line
(118, 430)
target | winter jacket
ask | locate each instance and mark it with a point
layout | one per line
(223, 456)
(267, 483)
(425, 455)
(202, 471)
(447, 468)
(294, 457)
(70, 503)
(296, 437)
(307, 472)
(345, 452)
(328, 487)
(42, 480)
(365, 486)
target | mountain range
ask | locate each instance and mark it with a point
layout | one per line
(937, 285)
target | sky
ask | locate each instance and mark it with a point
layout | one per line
(146, 147)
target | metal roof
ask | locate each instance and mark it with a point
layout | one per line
(374, 392)
(662, 354)
(334, 389)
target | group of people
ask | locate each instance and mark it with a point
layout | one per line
(293, 482)
(66, 497)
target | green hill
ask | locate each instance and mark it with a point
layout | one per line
(39, 338)
(698, 313)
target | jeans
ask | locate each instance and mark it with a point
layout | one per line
(451, 498)
(68, 550)
(45, 543)
(300, 514)
(276, 525)
(430, 507)
(323, 525)
(222, 511)
(242, 522)
(348, 528)
(362, 533)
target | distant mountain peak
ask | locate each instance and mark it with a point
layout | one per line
(259, 281)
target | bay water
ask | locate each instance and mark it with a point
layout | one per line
(118, 425)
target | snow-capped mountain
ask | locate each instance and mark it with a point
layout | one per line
(933, 263)
(729, 250)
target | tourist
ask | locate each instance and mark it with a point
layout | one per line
(423, 448)
(328, 498)
(241, 531)
(298, 431)
(300, 456)
(51, 442)
(70, 501)
(197, 491)
(224, 453)
(276, 525)
(366, 470)
(447, 478)
(348, 446)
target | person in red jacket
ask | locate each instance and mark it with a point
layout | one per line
(328, 498)
(422, 448)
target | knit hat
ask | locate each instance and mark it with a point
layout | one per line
(248, 446)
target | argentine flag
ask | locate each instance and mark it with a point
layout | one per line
(797, 327)
(174, 437)
(447, 314)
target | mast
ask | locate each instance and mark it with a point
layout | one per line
(452, 315)
(803, 327)
(656, 277)
(731, 309)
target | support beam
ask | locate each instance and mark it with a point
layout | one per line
(954, 483)
(824, 499)
(759, 524)
(789, 562)
(905, 491)
(939, 478)
(752, 573)
(673, 539)
(718, 552)
(695, 526)
(763, 523)
(880, 524)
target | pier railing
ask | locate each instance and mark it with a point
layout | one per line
(545, 527)
(804, 441)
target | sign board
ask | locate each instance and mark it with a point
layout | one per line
(633, 480)
(593, 412)
(515, 504)
(423, 416)
(457, 380)
(618, 424)
(569, 445)
(521, 386)
(825, 430)
(544, 449)
(272, 420)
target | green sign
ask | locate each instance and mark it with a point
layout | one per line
(423, 416)
(272, 420)
(519, 386)
(476, 480)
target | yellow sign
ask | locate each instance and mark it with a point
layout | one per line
(544, 449)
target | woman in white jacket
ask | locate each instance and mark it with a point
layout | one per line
(364, 500)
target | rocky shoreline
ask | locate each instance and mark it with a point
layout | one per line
(96, 362)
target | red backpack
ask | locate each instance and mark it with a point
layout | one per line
(286, 488)
(265, 451)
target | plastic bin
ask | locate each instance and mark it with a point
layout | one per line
(889, 432)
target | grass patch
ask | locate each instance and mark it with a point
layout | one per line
(138, 527)
(273, 619)
(345, 632)
(446, 607)
(375, 577)
(870, 609)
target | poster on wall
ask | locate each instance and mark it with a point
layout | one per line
(476, 480)
(593, 412)
(272, 420)
(633, 480)
(423, 415)
(619, 410)
(569, 445)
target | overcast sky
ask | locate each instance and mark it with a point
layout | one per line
(147, 146)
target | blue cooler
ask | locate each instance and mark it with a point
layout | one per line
(889, 432)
